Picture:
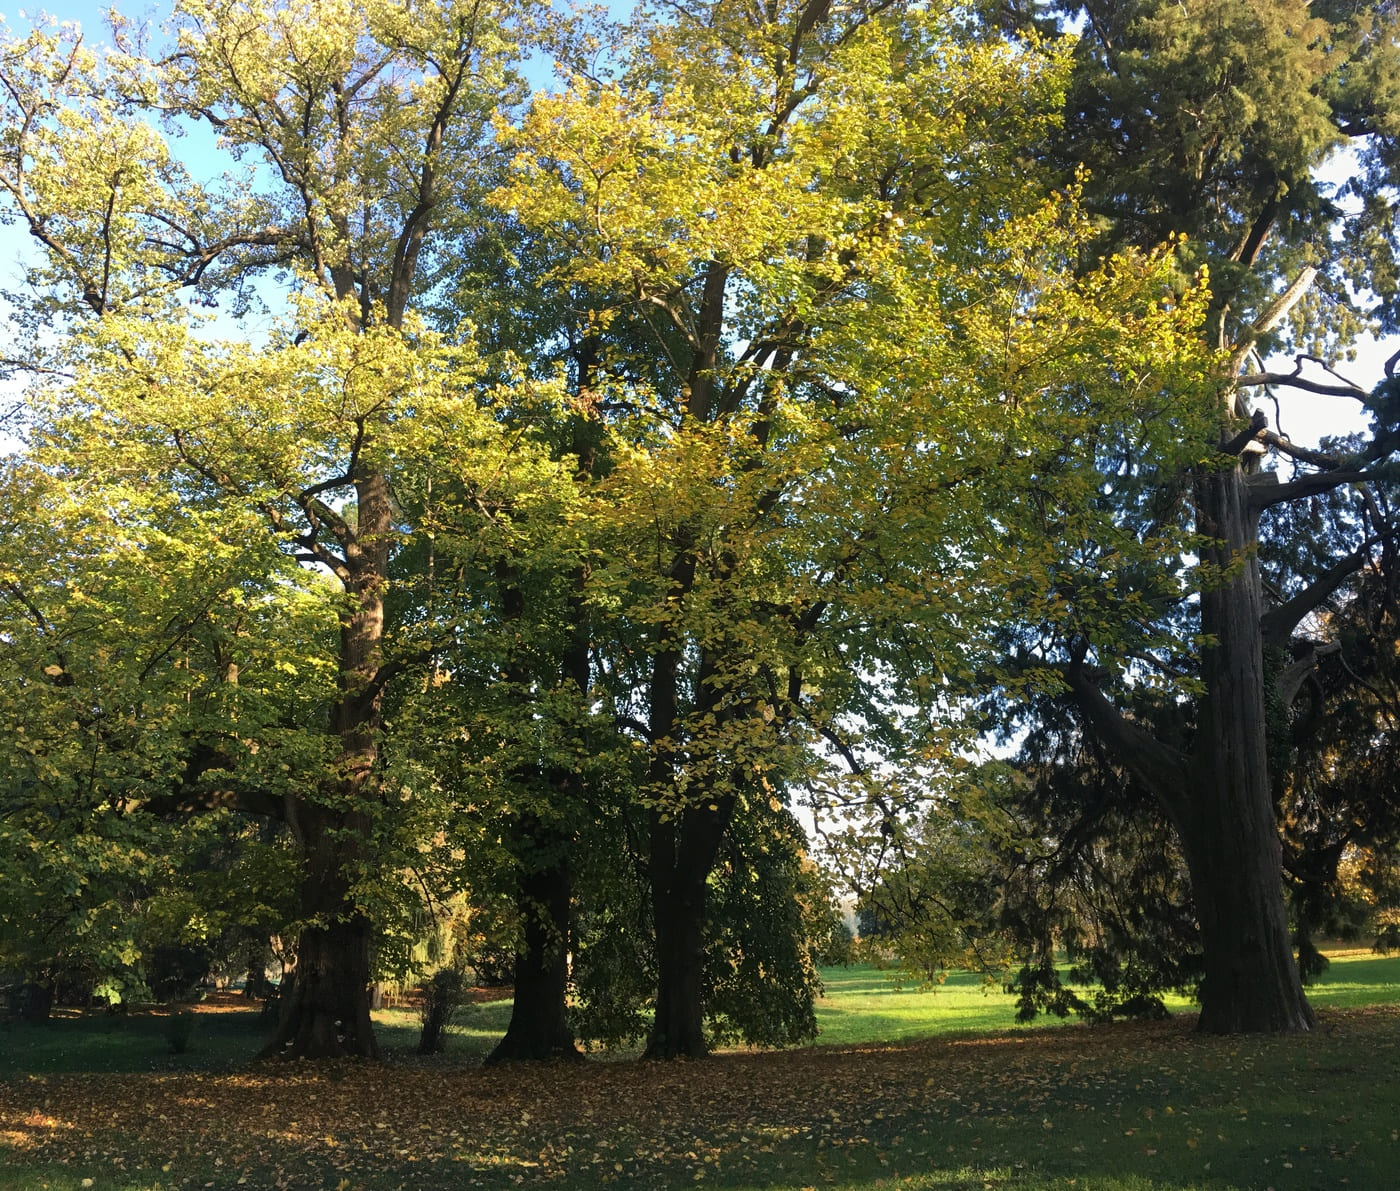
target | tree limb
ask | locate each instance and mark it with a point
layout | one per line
(1278, 623)
(1257, 428)
(1296, 380)
(1313, 485)
(1165, 771)
(389, 671)
(194, 802)
(1302, 454)
(188, 799)
(1291, 678)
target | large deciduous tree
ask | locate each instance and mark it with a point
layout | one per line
(817, 224)
(347, 129)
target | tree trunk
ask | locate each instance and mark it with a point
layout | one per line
(539, 1018)
(539, 1026)
(678, 858)
(678, 912)
(1251, 981)
(683, 847)
(328, 1015)
(1229, 831)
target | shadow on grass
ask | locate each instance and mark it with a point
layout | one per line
(100, 1042)
(225, 1037)
(1118, 1107)
(1125, 1107)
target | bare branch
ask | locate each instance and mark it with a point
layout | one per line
(1302, 454)
(1296, 380)
(1314, 485)
(1278, 623)
(1258, 426)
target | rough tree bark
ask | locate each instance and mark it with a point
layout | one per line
(539, 1021)
(328, 1014)
(683, 851)
(683, 846)
(1228, 831)
(678, 912)
(1219, 798)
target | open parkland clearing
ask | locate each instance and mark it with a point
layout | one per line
(905, 1089)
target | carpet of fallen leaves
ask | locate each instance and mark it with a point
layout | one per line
(731, 1118)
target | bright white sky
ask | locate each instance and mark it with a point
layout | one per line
(1308, 417)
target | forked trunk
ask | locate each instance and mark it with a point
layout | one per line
(1229, 831)
(678, 910)
(539, 1026)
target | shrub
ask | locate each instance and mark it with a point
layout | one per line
(174, 971)
(839, 947)
(442, 996)
(29, 1001)
(179, 1029)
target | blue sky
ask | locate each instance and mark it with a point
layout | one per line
(14, 240)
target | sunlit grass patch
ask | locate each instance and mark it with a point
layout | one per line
(1124, 1107)
(866, 1004)
(1355, 978)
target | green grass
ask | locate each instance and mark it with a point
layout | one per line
(1120, 1108)
(476, 1028)
(975, 1103)
(1357, 979)
(101, 1042)
(223, 1040)
(860, 1005)
(864, 1004)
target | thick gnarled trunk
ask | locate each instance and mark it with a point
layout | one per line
(1228, 830)
(328, 1014)
(1219, 798)
(539, 1023)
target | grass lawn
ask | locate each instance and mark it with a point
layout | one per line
(864, 1005)
(919, 1090)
